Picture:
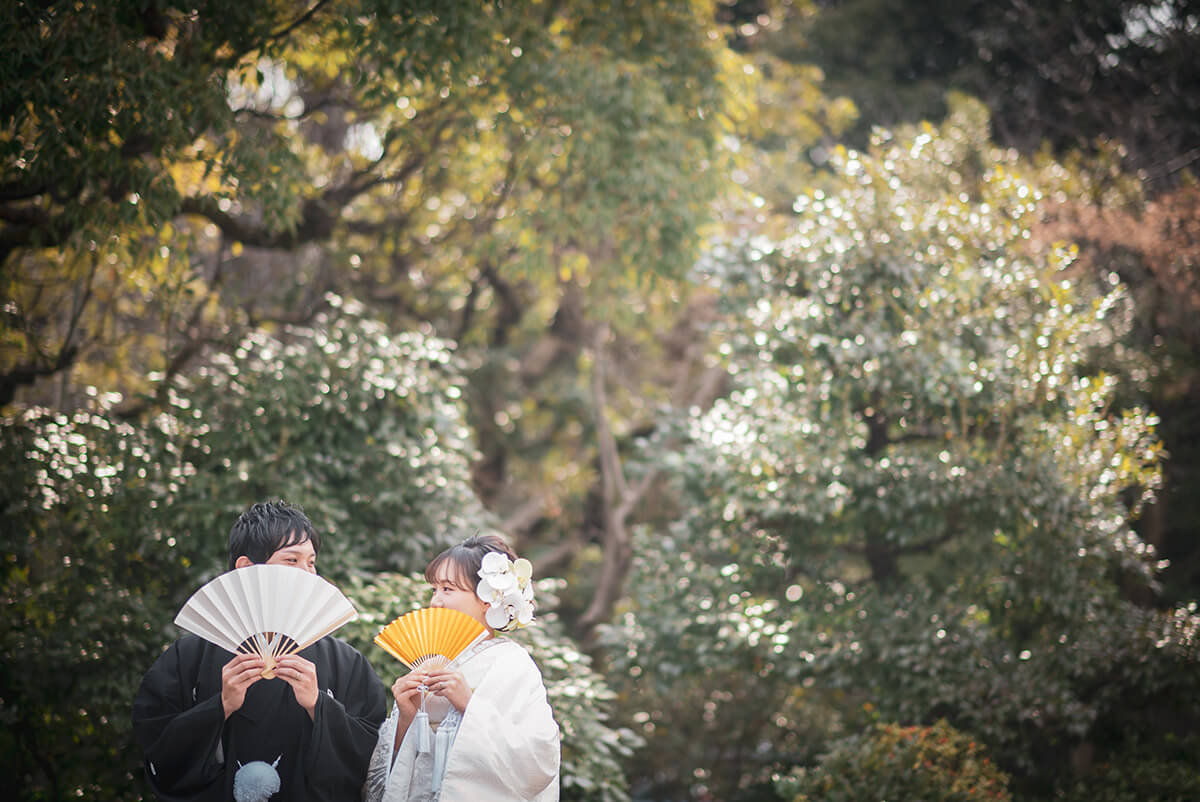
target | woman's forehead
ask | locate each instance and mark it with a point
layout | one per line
(447, 573)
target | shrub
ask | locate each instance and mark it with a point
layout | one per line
(900, 764)
(1166, 772)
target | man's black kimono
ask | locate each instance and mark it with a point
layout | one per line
(192, 752)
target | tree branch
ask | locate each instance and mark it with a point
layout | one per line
(194, 345)
(316, 224)
(42, 231)
(305, 17)
(20, 190)
(617, 501)
(29, 372)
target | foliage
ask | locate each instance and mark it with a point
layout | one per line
(502, 172)
(1160, 771)
(931, 764)
(362, 427)
(418, 155)
(107, 111)
(895, 71)
(85, 568)
(1074, 74)
(109, 526)
(916, 496)
(1154, 246)
(1106, 77)
(918, 499)
(188, 183)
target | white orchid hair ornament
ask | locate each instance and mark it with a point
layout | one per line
(507, 586)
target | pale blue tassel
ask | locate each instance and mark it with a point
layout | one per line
(445, 739)
(421, 722)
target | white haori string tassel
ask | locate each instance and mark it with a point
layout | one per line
(421, 720)
(447, 730)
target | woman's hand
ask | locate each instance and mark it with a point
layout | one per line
(451, 685)
(407, 692)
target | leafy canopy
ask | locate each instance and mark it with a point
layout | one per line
(917, 496)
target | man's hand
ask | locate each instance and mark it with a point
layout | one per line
(239, 674)
(450, 685)
(302, 676)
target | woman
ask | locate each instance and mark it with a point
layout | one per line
(486, 730)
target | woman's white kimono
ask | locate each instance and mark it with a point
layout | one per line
(506, 746)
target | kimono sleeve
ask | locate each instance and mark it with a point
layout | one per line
(180, 737)
(508, 738)
(346, 723)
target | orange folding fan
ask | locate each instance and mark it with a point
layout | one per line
(429, 637)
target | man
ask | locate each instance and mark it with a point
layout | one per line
(202, 713)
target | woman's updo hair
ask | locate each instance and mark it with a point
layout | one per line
(465, 560)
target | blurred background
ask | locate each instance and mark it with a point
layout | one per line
(837, 365)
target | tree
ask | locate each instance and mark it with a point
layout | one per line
(1152, 245)
(439, 153)
(917, 500)
(498, 172)
(1073, 73)
(108, 527)
(84, 573)
(1096, 83)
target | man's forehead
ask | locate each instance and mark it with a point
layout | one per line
(304, 547)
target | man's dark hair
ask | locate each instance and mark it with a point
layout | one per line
(266, 528)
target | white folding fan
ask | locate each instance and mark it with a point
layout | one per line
(429, 637)
(268, 610)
